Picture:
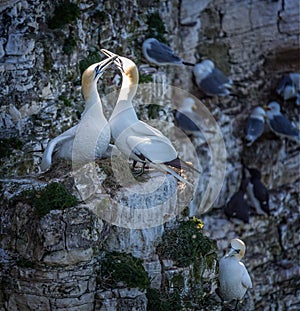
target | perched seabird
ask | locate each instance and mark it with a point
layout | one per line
(289, 86)
(186, 119)
(257, 192)
(159, 53)
(134, 138)
(279, 124)
(233, 276)
(237, 206)
(62, 145)
(210, 79)
(255, 125)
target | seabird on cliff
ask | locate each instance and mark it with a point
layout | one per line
(289, 86)
(187, 119)
(159, 53)
(255, 125)
(237, 206)
(280, 124)
(233, 276)
(210, 79)
(91, 124)
(134, 138)
(257, 192)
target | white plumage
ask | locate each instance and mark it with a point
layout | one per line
(134, 138)
(210, 79)
(233, 276)
(255, 125)
(280, 124)
(92, 134)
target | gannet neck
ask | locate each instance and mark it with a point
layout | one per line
(89, 88)
(130, 79)
(93, 98)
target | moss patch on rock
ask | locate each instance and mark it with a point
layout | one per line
(53, 196)
(185, 244)
(123, 270)
(64, 13)
(158, 301)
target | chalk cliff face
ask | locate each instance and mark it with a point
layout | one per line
(54, 260)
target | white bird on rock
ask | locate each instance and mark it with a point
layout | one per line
(210, 79)
(233, 276)
(93, 124)
(159, 53)
(280, 124)
(255, 125)
(134, 138)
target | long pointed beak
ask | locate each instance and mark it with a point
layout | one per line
(230, 252)
(108, 53)
(106, 63)
(118, 61)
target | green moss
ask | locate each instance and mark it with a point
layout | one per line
(121, 267)
(65, 100)
(100, 16)
(163, 302)
(93, 57)
(156, 27)
(69, 45)
(185, 244)
(145, 78)
(24, 263)
(48, 60)
(53, 196)
(64, 13)
(7, 145)
(154, 110)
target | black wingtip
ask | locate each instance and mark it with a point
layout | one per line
(188, 64)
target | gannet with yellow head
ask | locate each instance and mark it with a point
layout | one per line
(134, 138)
(91, 123)
(233, 276)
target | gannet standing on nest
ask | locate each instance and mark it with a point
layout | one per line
(62, 145)
(134, 138)
(280, 124)
(159, 53)
(233, 275)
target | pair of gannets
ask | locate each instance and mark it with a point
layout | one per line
(134, 138)
(234, 278)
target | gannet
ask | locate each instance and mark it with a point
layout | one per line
(134, 138)
(257, 192)
(279, 124)
(255, 125)
(237, 205)
(62, 145)
(159, 53)
(210, 79)
(289, 86)
(233, 276)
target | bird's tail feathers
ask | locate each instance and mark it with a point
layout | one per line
(181, 164)
(188, 64)
(164, 168)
